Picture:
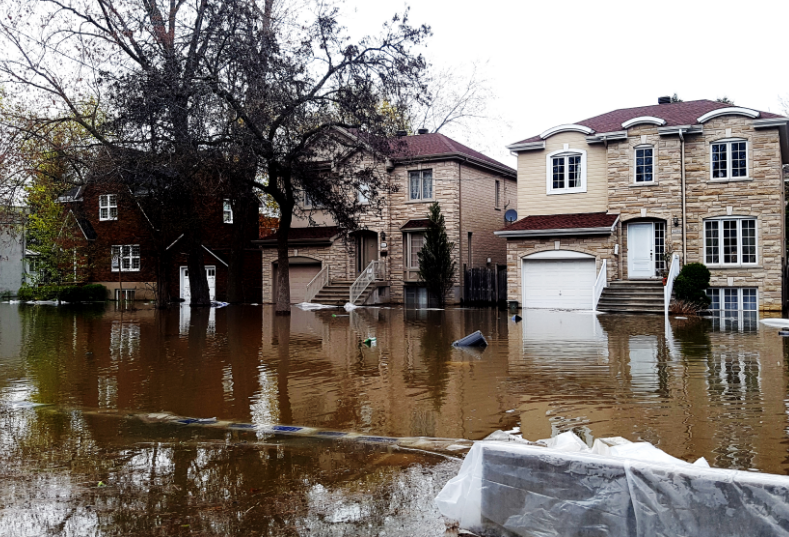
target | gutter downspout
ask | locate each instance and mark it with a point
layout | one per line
(462, 278)
(682, 182)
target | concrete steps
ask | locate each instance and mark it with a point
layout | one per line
(637, 296)
(338, 293)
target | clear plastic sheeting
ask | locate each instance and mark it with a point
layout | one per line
(616, 488)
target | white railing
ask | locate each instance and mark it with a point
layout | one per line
(374, 271)
(669, 288)
(320, 281)
(599, 284)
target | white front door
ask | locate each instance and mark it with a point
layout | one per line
(210, 272)
(640, 251)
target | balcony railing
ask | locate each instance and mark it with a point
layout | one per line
(600, 283)
(374, 271)
(320, 281)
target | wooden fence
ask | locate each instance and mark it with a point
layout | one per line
(485, 286)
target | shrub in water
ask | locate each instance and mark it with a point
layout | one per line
(25, 293)
(94, 293)
(693, 280)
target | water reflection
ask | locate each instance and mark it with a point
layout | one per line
(696, 387)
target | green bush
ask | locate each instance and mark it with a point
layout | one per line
(25, 293)
(94, 292)
(690, 285)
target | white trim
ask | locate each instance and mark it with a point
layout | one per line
(109, 206)
(227, 209)
(175, 241)
(549, 190)
(720, 263)
(728, 142)
(526, 146)
(567, 127)
(740, 302)
(558, 254)
(635, 166)
(770, 122)
(651, 120)
(215, 256)
(120, 257)
(729, 111)
(606, 137)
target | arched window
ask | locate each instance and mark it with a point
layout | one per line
(566, 171)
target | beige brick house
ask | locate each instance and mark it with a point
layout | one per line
(474, 192)
(700, 179)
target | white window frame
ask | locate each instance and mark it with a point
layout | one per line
(728, 142)
(721, 300)
(635, 164)
(421, 186)
(566, 152)
(363, 194)
(227, 211)
(118, 258)
(408, 249)
(739, 220)
(108, 203)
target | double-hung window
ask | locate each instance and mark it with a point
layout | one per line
(126, 258)
(566, 172)
(415, 242)
(729, 159)
(227, 212)
(645, 164)
(420, 185)
(108, 207)
(730, 241)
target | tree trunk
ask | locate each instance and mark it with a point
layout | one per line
(198, 282)
(283, 265)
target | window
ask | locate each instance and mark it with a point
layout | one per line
(227, 212)
(470, 251)
(128, 295)
(660, 247)
(364, 194)
(566, 172)
(498, 194)
(126, 258)
(732, 299)
(644, 165)
(108, 207)
(729, 159)
(415, 243)
(730, 241)
(420, 185)
(310, 203)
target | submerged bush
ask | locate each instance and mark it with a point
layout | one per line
(691, 284)
(69, 293)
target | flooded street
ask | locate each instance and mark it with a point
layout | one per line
(86, 464)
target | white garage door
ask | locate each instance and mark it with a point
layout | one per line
(300, 276)
(560, 284)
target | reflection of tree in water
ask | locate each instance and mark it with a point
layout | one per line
(692, 334)
(435, 350)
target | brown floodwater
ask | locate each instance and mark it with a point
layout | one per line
(86, 464)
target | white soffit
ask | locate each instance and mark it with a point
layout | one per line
(651, 120)
(566, 128)
(558, 254)
(729, 111)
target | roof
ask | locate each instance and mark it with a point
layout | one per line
(87, 229)
(421, 223)
(305, 234)
(576, 223)
(72, 194)
(684, 113)
(439, 145)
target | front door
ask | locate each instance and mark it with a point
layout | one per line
(640, 251)
(367, 248)
(186, 293)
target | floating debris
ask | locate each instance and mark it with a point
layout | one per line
(517, 318)
(472, 340)
(370, 342)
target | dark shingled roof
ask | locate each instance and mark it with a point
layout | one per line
(563, 221)
(436, 144)
(416, 224)
(87, 229)
(686, 113)
(306, 233)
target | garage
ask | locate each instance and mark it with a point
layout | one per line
(558, 280)
(302, 271)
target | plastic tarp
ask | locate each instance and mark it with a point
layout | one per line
(617, 488)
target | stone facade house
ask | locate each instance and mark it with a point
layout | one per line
(631, 188)
(473, 190)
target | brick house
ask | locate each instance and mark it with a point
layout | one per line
(700, 179)
(473, 190)
(116, 244)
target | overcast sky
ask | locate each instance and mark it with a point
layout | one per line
(560, 62)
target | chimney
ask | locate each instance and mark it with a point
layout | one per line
(422, 131)
(402, 133)
(664, 100)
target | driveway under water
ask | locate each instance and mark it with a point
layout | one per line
(86, 464)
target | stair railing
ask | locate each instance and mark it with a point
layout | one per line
(374, 271)
(600, 283)
(669, 287)
(320, 281)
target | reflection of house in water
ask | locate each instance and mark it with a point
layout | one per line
(185, 318)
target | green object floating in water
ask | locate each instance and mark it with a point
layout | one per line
(370, 341)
